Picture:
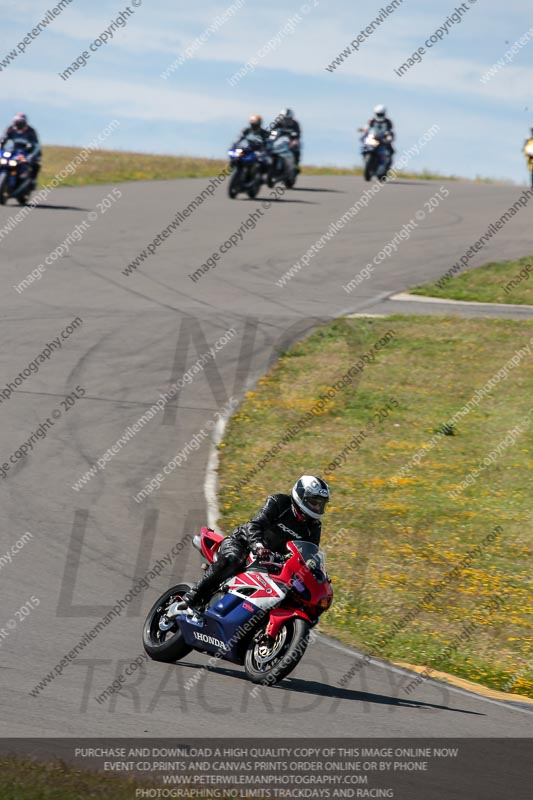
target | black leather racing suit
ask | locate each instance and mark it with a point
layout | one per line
(249, 131)
(272, 527)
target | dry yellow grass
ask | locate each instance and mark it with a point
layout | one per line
(108, 166)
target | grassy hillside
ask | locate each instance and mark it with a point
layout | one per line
(107, 166)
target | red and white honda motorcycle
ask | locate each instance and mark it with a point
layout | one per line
(261, 618)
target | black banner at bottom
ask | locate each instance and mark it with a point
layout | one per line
(404, 769)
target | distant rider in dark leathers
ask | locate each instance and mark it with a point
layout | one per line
(286, 122)
(381, 123)
(257, 137)
(254, 128)
(20, 129)
(282, 518)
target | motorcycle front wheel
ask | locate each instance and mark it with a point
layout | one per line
(369, 169)
(234, 184)
(267, 662)
(3, 189)
(162, 638)
(253, 191)
(273, 173)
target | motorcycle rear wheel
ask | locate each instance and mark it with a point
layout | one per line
(268, 664)
(155, 641)
(290, 182)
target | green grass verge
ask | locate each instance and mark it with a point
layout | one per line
(496, 282)
(425, 175)
(389, 542)
(108, 166)
(25, 779)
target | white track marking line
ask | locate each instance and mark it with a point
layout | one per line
(419, 298)
(509, 704)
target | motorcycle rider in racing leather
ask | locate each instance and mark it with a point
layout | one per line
(19, 129)
(381, 124)
(286, 122)
(255, 130)
(283, 517)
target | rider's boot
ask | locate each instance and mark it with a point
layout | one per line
(197, 598)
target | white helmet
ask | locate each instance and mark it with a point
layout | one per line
(310, 495)
(380, 110)
(287, 113)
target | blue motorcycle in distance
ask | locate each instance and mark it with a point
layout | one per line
(247, 160)
(15, 171)
(376, 152)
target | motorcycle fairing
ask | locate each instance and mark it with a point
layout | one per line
(230, 619)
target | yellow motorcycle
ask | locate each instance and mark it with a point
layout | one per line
(528, 152)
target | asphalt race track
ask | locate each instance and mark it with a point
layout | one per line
(139, 334)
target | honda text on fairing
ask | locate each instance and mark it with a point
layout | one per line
(283, 167)
(261, 618)
(376, 152)
(247, 160)
(15, 171)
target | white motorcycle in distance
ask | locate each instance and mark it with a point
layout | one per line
(283, 167)
(376, 152)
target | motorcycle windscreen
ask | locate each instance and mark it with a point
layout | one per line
(312, 555)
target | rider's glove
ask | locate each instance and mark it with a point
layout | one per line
(263, 555)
